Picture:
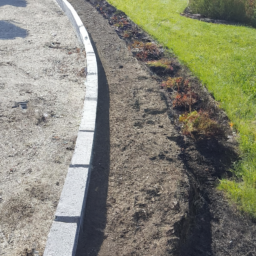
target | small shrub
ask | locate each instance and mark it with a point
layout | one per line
(146, 50)
(163, 63)
(199, 123)
(169, 83)
(142, 56)
(126, 34)
(120, 22)
(187, 99)
(161, 67)
(176, 83)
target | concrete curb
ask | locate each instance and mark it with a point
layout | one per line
(63, 236)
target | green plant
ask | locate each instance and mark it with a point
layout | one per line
(146, 50)
(163, 63)
(126, 34)
(176, 83)
(185, 100)
(169, 83)
(198, 123)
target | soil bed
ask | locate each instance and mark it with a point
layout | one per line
(152, 190)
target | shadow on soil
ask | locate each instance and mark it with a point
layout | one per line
(17, 3)
(195, 230)
(205, 161)
(92, 232)
(10, 31)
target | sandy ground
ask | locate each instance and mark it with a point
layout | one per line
(41, 65)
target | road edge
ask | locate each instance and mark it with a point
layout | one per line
(63, 236)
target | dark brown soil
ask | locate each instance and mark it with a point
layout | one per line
(152, 189)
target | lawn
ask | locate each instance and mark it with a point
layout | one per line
(223, 57)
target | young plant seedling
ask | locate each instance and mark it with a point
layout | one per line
(199, 123)
(185, 99)
(161, 67)
(146, 50)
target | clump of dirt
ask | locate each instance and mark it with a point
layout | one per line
(156, 194)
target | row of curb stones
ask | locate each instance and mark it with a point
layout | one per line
(63, 236)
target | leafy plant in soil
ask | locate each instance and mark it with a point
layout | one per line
(126, 34)
(175, 83)
(123, 26)
(122, 23)
(184, 100)
(145, 50)
(161, 67)
(199, 123)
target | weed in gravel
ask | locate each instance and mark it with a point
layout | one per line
(199, 123)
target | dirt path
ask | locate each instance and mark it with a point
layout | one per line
(152, 190)
(39, 66)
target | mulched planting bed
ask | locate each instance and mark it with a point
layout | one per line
(181, 91)
(169, 144)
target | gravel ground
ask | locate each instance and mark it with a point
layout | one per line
(41, 99)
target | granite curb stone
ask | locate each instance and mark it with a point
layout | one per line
(63, 236)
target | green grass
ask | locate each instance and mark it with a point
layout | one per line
(224, 58)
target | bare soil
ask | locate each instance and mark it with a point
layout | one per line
(41, 100)
(153, 190)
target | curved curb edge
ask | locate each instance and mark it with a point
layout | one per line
(63, 236)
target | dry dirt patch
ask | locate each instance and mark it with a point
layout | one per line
(41, 99)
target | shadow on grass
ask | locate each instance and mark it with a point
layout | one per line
(92, 232)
